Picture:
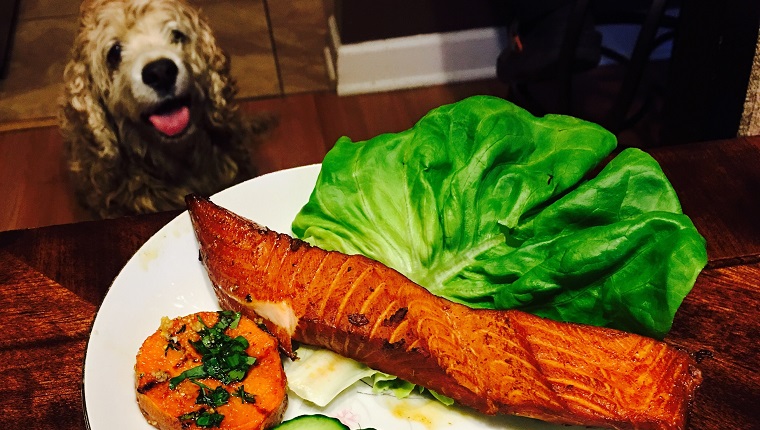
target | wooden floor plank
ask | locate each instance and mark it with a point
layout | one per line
(35, 185)
(297, 139)
(363, 116)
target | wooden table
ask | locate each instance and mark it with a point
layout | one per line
(52, 280)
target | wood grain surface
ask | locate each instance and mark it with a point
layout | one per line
(42, 343)
(718, 184)
(718, 323)
(52, 279)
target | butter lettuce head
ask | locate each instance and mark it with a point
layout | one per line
(484, 204)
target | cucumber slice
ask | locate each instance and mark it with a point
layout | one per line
(312, 422)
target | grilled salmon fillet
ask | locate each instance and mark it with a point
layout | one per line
(495, 361)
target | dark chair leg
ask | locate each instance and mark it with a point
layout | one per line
(639, 58)
(567, 54)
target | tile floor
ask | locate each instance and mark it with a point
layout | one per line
(276, 49)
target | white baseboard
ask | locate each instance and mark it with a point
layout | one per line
(413, 61)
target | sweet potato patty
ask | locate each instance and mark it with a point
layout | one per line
(210, 369)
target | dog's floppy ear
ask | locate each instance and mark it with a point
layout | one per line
(221, 87)
(83, 117)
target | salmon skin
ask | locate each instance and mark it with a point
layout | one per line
(495, 361)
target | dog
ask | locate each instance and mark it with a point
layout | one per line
(148, 113)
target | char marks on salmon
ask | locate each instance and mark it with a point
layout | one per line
(495, 361)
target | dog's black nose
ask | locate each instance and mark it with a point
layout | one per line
(160, 75)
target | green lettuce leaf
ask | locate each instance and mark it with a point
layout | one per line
(487, 205)
(382, 382)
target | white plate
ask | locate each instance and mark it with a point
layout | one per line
(165, 278)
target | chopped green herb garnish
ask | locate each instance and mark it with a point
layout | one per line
(223, 358)
(203, 418)
(209, 419)
(245, 396)
(211, 397)
(194, 373)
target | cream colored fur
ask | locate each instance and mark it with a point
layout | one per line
(119, 166)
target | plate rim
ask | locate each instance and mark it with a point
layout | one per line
(153, 238)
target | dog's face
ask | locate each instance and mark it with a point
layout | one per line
(146, 64)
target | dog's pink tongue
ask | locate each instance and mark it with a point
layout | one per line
(172, 123)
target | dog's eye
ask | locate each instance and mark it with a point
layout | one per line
(178, 36)
(113, 58)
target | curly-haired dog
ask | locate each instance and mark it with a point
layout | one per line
(148, 114)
